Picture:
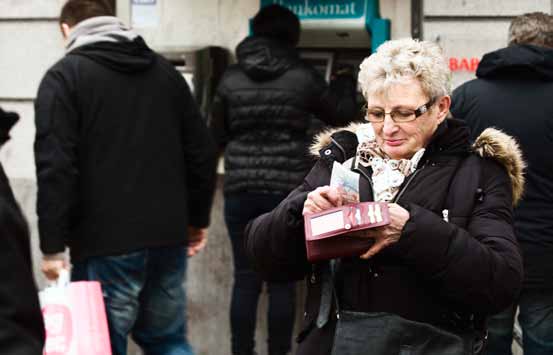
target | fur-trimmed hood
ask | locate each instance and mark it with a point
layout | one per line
(492, 143)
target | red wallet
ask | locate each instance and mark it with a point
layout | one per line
(327, 232)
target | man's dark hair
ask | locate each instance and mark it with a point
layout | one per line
(277, 22)
(75, 11)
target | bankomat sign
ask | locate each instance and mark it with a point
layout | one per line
(322, 9)
(355, 22)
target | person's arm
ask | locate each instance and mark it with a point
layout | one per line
(200, 161)
(478, 268)
(218, 119)
(56, 159)
(275, 241)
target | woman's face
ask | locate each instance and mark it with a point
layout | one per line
(403, 140)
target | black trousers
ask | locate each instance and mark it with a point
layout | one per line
(239, 210)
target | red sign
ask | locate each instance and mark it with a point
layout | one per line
(463, 64)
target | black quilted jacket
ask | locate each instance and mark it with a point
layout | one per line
(262, 112)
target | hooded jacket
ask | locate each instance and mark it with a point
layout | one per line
(440, 272)
(513, 92)
(262, 111)
(21, 324)
(124, 160)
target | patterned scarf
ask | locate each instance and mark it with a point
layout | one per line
(387, 174)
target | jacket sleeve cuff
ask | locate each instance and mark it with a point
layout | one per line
(51, 240)
(57, 256)
(199, 220)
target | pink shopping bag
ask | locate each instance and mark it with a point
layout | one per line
(75, 319)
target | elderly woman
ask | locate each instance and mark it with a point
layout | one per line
(447, 259)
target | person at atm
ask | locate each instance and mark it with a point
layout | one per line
(448, 257)
(261, 115)
(21, 323)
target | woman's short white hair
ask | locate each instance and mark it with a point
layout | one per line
(400, 60)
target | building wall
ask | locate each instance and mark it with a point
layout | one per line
(192, 23)
(31, 42)
(470, 28)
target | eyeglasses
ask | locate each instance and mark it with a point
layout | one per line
(400, 115)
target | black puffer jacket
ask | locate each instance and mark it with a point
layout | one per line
(21, 325)
(262, 111)
(514, 92)
(438, 270)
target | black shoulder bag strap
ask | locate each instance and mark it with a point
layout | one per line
(328, 292)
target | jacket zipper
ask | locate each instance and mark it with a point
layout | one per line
(364, 175)
(400, 193)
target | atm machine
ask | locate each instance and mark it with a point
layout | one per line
(337, 33)
(202, 68)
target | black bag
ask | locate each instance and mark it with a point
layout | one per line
(380, 333)
(359, 333)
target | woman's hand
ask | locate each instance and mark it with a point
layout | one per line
(389, 234)
(321, 199)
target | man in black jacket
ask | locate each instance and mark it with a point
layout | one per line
(262, 112)
(125, 169)
(514, 92)
(21, 325)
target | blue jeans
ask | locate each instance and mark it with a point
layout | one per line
(239, 210)
(536, 320)
(144, 296)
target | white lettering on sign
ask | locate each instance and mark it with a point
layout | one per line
(308, 10)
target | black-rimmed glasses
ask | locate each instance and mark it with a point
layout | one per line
(399, 115)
